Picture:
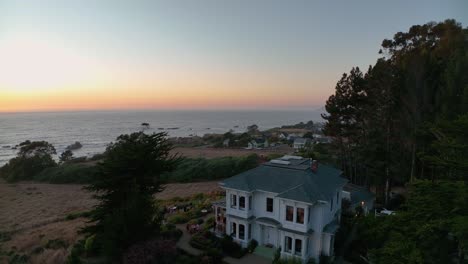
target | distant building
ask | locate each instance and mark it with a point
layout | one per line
(300, 143)
(258, 143)
(226, 142)
(292, 136)
(358, 196)
(323, 140)
(283, 136)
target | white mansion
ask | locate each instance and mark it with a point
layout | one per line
(290, 203)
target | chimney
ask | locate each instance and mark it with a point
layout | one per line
(314, 166)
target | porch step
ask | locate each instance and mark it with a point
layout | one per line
(265, 252)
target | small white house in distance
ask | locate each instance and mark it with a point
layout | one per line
(300, 143)
(258, 143)
(290, 203)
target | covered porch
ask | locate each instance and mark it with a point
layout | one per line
(265, 252)
(219, 208)
(268, 233)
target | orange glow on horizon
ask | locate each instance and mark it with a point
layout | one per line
(40, 75)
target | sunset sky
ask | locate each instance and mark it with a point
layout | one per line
(206, 54)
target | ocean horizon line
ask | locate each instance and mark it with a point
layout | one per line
(135, 110)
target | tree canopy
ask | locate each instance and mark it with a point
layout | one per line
(32, 158)
(380, 119)
(127, 179)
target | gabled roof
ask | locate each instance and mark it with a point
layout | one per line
(290, 179)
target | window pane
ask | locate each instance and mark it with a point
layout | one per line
(242, 232)
(289, 213)
(298, 246)
(300, 215)
(241, 202)
(234, 230)
(269, 205)
(233, 200)
(287, 244)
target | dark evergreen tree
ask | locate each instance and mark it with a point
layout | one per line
(128, 178)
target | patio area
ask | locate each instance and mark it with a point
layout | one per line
(265, 252)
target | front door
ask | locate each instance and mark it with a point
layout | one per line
(269, 236)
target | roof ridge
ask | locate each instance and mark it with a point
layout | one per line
(283, 167)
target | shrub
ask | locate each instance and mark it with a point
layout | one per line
(231, 248)
(18, 259)
(68, 173)
(324, 259)
(153, 251)
(38, 250)
(76, 251)
(179, 218)
(4, 236)
(56, 244)
(78, 160)
(277, 256)
(22, 168)
(209, 223)
(73, 216)
(97, 157)
(171, 234)
(252, 245)
(204, 241)
(210, 169)
(90, 246)
(216, 256)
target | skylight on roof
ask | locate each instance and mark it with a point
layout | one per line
(282, 162)
(290, 157)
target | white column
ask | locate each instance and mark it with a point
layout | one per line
(302, 248)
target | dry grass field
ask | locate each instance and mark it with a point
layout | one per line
(33, 214)
(209, 153)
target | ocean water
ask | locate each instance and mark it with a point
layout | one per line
(95, 130)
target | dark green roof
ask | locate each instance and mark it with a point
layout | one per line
(242, 218)
(358, 193)
(268, 220)
(331, 227)
(309, 232)
(290, 179)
